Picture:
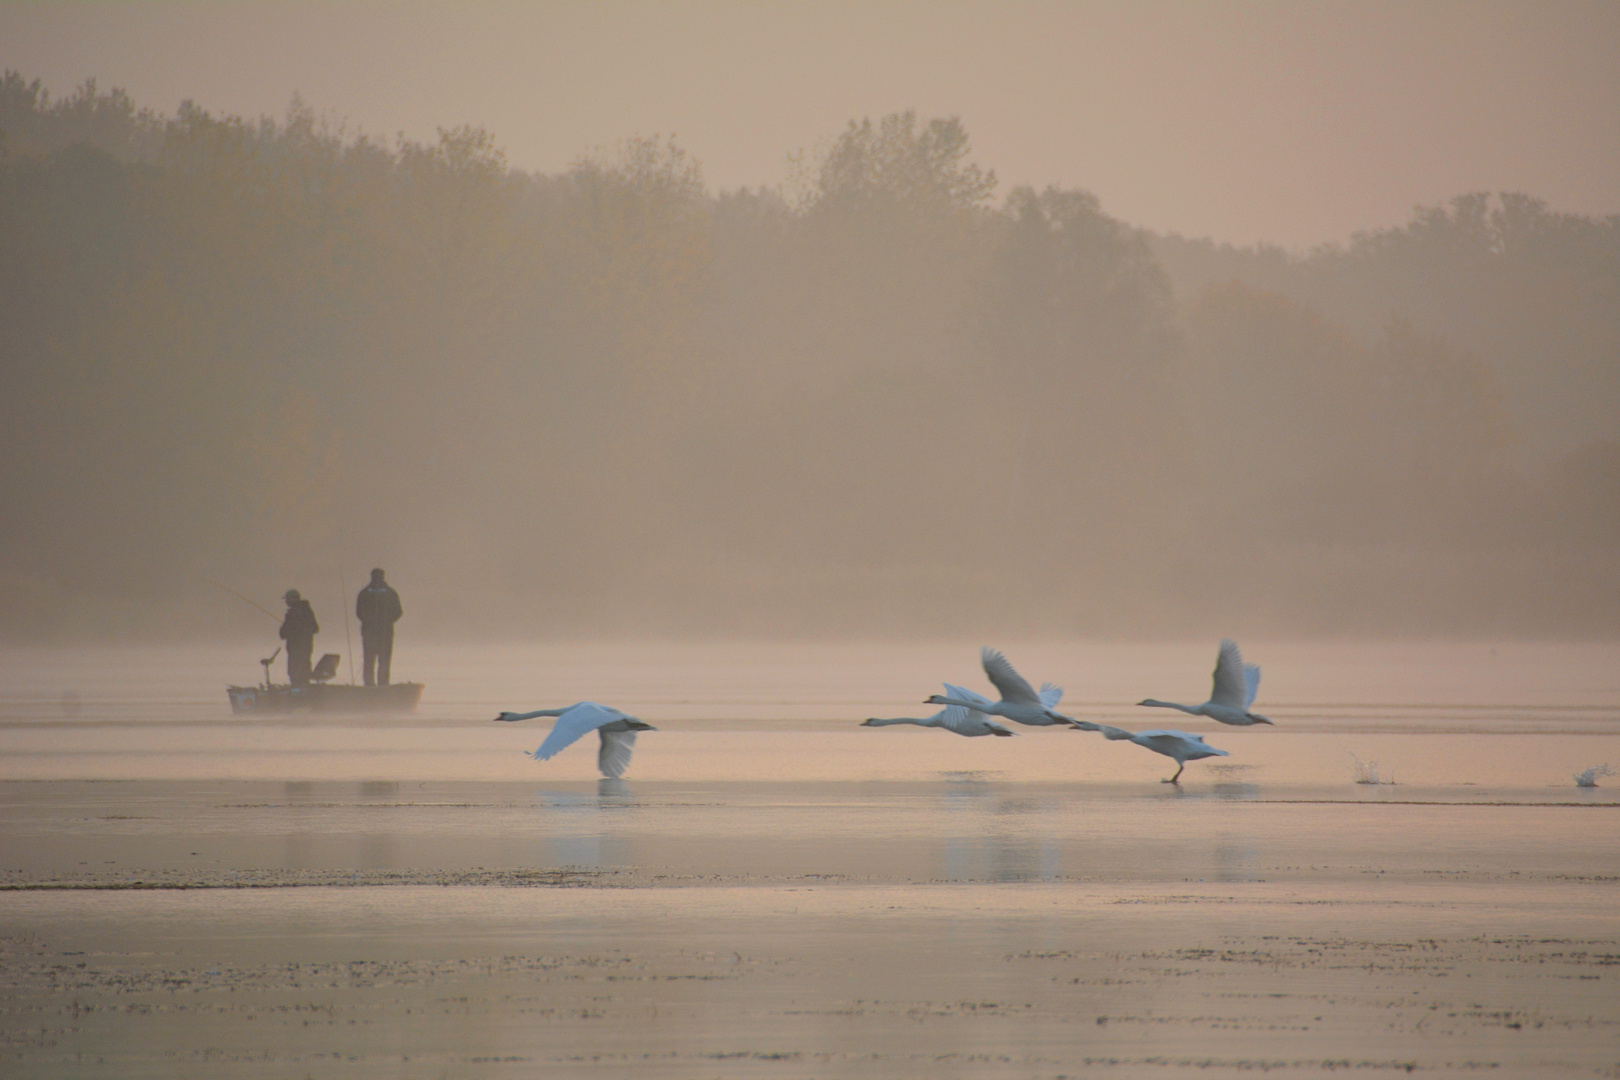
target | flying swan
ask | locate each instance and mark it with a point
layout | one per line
(1019, 702)
(1236, 684)
(617, 731)
(1179, 745)
(958, 718)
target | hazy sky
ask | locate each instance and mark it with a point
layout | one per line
(1288, 122)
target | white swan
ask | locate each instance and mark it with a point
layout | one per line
(1019, 701)
(1236, 684)
(1181, 745)
(957, 718)
(617, 730)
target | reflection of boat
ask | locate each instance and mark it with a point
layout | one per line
(325, 697)
(322, 695)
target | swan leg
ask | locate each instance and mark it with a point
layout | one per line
(1176, 779)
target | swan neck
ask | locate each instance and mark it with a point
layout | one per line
(1157, 704)
(537, 712)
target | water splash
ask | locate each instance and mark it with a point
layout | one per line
(1367, 772)
(1589, 778)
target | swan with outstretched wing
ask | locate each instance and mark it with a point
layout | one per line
(960, 719)
(1019, 701)
(1236, 685)
(617, 731)
(1180, 746)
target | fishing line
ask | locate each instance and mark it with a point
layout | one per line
(242, 598)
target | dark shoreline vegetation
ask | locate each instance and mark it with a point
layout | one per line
(880, 400)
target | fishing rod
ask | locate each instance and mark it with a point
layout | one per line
(242, 598)
(343, 585)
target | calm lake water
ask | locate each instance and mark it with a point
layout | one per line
(1450, 715)
(775, 891)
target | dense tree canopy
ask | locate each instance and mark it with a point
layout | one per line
(611, 401)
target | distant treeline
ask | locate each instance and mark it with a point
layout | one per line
(875, 401)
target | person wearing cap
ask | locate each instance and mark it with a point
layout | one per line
(378, 609)
(298, 630)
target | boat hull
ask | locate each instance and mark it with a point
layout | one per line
(325, 697)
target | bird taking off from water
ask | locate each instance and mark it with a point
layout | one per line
(957, 718)
(1019, 701)
(1236, 684)
(1180, 745)
(616, 729)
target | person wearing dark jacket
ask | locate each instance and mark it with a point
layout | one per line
(298, 630)
(378, 609)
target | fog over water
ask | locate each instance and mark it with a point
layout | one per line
(891, 392)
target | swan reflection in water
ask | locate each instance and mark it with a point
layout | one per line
(576, 828)
(993, 837)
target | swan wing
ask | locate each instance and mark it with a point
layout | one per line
(1169, 743)
(1051, 694)
(962, 693)
(959, 718)
(1108, 731)
(1013, 686)
(1251, 683)
(1165, 733)
(1230, 685)
(574, 722)
(614, 756)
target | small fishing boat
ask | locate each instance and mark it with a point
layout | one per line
(322, 695)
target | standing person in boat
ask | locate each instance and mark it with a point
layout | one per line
(298, 630)
(378, 609)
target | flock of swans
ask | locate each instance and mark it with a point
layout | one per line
(965, 713)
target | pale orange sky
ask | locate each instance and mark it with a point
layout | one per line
(1294, 123)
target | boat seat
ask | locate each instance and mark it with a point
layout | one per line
(325, 669)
